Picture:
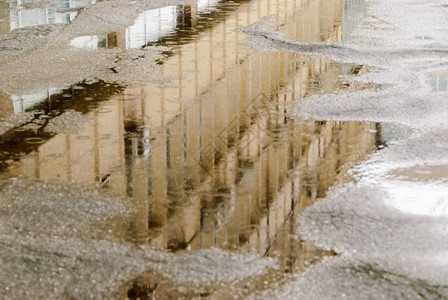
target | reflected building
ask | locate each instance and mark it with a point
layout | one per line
(24, 102)
(439, 80)
(4, 19)
(354, 12)
(6, 107)
(151, 27)
(216, 158)
(23, 13)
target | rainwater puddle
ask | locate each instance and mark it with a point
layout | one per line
(439, 80)
(24, 13)
(422, 173)
(170, 25)
(354, 12)
(215, 158)
(419, 197)
(389, 132)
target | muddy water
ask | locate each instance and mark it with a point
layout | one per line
(212, 157)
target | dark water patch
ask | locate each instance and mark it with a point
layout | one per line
(27, 137)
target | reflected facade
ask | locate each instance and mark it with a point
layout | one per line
(439, 81)
(354, 12)
(216, 156)
(25, 13)
(5, 26)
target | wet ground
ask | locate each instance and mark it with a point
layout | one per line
(168, 150)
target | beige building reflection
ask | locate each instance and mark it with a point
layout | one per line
(6, 107)
(216, 158)
(4, 19)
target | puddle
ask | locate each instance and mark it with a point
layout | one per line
(422, 173)
(4, 18)
(389, 132)
(354, 11)
(420, 198)
(167, 26)
(13, 142)
(439, 81)
(214, 158)
(420, 189)
(19, 14)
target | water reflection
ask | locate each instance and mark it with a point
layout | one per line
(439, 80)
(149, 27)
(6, 106)
(24, 102)
(215, 158)
(24, 13)
(354, 11)
(389, 132)
(82, 98)
(163, 26)
(4, 18)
